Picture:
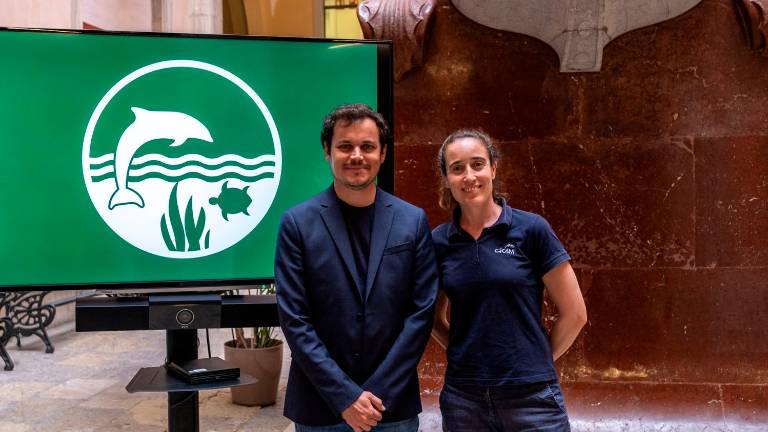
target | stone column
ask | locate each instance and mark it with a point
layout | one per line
(188, 16)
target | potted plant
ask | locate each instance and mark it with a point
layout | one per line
(260, 356)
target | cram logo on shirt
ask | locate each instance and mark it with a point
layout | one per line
(508, 249)
(181, 158)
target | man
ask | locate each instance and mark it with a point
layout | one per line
(356, 282)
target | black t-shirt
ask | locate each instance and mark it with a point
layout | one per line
(359, 222)
(495, 287)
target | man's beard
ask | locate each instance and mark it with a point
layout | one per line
(354, 186)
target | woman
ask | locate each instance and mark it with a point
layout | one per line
(495, 262)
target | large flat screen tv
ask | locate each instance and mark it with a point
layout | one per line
(153, 161)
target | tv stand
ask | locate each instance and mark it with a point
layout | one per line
(183, 408)
(132, 313)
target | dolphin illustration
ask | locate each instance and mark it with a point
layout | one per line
(149, 126)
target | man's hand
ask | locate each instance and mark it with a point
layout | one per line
(364, 413)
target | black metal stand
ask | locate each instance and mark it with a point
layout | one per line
(183, 412)
(22, 313)
(133, 313)
(5, 328)
(183, 400)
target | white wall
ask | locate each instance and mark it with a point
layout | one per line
(126, 15)
(179, 16)
(57, 14)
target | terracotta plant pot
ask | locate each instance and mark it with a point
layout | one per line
(264, 364)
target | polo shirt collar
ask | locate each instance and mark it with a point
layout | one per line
(504, 221)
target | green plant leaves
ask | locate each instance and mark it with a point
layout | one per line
(263, 337)
(176, 225)
(185, 233)
(194, 230)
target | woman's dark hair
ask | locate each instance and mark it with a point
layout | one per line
(447, 201)
(346, 114)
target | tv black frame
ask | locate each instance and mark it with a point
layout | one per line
(385, 180)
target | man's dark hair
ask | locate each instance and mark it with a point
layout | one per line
(346, 114)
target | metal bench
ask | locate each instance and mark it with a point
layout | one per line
(22, 313)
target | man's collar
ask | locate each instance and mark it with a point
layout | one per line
(357, 194)
(330, 197)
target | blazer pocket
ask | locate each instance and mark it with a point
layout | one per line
(398, 248)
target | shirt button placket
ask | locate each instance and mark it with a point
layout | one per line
(360, 317)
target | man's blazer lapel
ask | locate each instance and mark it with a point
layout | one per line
(334, 221)
(382, 224)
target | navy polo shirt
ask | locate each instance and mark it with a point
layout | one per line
(496, 292)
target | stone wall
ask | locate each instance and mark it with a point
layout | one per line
(653, 172)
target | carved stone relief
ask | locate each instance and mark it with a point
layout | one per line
(405, 22)
(755, 23)
(576, 29)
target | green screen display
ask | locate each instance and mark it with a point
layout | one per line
(134, 158)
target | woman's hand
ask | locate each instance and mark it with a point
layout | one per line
(563, 289)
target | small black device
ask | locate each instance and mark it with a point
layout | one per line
(204, 370)
(184, 311)
(185, 317)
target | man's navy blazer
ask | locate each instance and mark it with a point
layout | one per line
(341, 342)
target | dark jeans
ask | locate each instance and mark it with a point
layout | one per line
(534, 407)
(410, 425)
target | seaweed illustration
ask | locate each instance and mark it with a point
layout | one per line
(187, 234)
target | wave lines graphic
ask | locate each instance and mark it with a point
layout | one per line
(192, 157)
(173, 179)
(187, 166)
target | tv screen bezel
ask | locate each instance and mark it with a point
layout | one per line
(385, 180)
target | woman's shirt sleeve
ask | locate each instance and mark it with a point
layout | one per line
(547, 250)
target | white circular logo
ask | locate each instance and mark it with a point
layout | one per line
(181, 159)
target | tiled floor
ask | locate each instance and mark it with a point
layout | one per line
(81, 388)
(667, 407)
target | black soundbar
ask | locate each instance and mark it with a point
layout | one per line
(133, 313)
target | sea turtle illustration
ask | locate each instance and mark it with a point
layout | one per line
(232, 200)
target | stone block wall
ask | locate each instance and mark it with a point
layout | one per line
(653, 172)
